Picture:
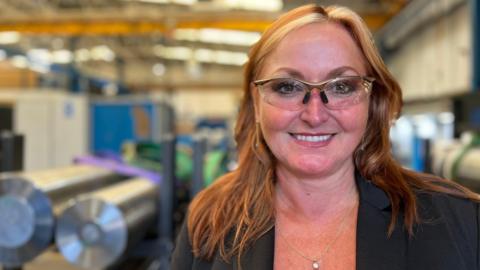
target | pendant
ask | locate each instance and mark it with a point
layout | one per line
(315, 265)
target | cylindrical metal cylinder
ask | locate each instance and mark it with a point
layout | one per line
(458, 164)
(27, 202)
(98, 228)
(468, 172)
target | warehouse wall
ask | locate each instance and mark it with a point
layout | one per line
(435, 60)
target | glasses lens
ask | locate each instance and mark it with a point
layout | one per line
(284, 93)
(345, 92)
(338, 93)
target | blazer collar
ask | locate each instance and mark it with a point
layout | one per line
(260, 255)
(371, 194)
(375, 248)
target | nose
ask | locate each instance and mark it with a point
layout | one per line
(315, 112)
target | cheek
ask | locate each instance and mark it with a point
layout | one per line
(355, 120)
(273, 119)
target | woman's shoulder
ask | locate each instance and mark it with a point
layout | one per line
(445, 195)
(460, 215)
(182, 256)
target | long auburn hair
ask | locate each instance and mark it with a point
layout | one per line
(238, 208)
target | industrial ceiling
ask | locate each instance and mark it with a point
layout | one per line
(151, 44)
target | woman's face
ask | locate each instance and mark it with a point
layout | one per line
(313, 141)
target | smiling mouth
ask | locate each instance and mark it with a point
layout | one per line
(312, 138)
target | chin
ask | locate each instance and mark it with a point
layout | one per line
(314, 168)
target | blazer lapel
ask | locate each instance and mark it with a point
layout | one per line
(260, 255)
(375, 250)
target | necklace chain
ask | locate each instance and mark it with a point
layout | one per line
(318, 259)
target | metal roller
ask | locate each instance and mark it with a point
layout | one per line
(468, 172)
(28, 202)
(97, 229)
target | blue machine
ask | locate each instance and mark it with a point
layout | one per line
(116, 121)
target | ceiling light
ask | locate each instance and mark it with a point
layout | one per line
(180, 2)
(102, 52)
(82, 55)
(62, 56)
(201, 55)
(177, 53)
(9, 37)
(219, 36)
(230, 58)
(264, 5)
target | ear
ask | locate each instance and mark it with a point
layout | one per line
(256, 101)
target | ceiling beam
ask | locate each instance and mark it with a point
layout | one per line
(130, 27)
(122, 27)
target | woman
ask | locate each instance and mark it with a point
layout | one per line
(316, 186)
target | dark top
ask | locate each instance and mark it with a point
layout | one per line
(447, 237)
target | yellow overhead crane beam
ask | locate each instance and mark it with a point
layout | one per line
(119, 27)
(139, 27)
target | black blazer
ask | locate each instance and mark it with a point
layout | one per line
(447, 238)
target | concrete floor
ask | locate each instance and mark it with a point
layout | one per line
(50, 260)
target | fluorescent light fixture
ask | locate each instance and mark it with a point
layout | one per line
(176, 53)
(9, 37)
(19, 61)
(102, 52)
(230, 58)
(264, 5)
(220, 57)
(45, 57)
(180, 2)
(82, 55)
(62, 56)
(201, 55)
(218, 36)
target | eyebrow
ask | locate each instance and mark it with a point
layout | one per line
(332, 74)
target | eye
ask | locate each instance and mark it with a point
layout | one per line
(286, 86)
(343, 86)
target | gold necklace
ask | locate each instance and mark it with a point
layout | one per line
(317, 260)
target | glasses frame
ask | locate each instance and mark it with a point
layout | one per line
(367, 81)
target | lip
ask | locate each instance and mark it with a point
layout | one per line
(312, 139)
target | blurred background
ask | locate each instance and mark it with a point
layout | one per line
(115, 113)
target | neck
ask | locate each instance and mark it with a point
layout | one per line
(315, 199)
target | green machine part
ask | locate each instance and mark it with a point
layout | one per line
(215, 165)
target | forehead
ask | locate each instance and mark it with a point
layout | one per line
(314, 50)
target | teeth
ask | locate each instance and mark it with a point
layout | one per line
(312, 138)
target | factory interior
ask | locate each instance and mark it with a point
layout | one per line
(115, 113)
